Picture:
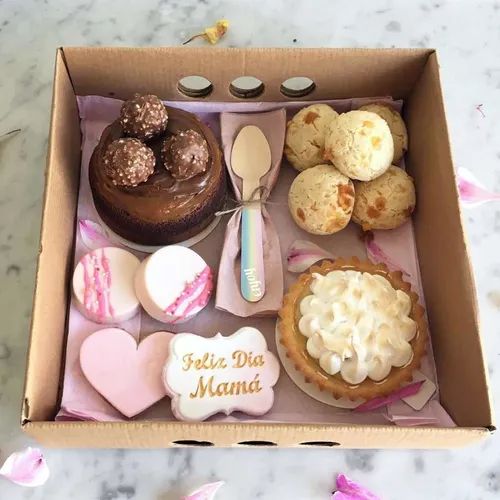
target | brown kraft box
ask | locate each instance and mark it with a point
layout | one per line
(410, 74)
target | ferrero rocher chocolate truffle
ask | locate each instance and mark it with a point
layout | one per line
(143, 117)
(128, 162)
(185, 154)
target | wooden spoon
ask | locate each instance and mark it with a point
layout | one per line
(251, 160)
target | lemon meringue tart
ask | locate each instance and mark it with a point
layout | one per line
(353, 328)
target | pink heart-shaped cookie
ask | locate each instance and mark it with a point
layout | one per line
(128, 375)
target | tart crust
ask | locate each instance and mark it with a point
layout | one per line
(295, 343)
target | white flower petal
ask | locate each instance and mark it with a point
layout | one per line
(205, 492)
(26, 468)
(472, 191)
(302, 254)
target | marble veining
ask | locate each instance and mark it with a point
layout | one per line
(467, 36)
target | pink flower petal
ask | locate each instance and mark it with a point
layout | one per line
(472, 191)
(26, 468)
(93, 234)
(377, 255)
(404, 392)
(205, 492)
(302, 254)
(349, 490)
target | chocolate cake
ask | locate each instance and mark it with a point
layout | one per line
(163, 207)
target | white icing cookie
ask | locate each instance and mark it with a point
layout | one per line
(173, 284)
(103, 285)
(220, 374)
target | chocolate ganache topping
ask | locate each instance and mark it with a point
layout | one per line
(167, 194)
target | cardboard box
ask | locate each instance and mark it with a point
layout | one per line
(411, 74)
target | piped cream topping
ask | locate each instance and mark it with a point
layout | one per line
(357, 325)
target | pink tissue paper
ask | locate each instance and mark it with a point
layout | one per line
(81, 402)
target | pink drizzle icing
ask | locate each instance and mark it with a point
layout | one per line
(97, 284)
(185, 301)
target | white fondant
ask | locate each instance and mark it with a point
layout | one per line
(163, 276)
(183, 384)
(121, 294)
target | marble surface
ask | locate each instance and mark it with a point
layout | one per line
(467, 36)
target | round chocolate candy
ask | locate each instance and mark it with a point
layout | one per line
(185, 154)
(128, 162)
(143, 117)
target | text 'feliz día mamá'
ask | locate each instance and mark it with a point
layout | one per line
(212, 388)
(210, 361)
